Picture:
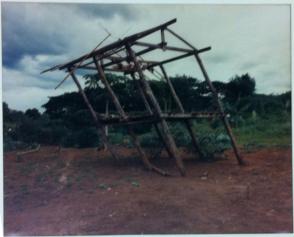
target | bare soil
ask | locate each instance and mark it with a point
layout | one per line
(85, 192)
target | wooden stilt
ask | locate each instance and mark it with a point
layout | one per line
(106, 126)
(221, 110)
(122, 113)
(165, 129)
(215, 96)
(145, 101)
(188, 123)
(156, 125)
(99, 126)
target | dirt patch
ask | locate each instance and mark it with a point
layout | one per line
(86, 192)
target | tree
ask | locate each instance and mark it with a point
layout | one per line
(240, 86)
(33, 113)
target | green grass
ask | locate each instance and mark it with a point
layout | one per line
(274, 130)
(270, 130)
(266, 132)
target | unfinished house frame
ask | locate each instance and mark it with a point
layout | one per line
(108, 58)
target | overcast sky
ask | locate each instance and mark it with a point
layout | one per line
(252, 39)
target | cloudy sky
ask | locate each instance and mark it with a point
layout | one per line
(252, 39)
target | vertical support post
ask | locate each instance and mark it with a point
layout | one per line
(122, 113)
(214, 92)
(221, 110)
(106, 126)
(172, 90)
(165, 129)
(156, 125)
(163, 39)
(145, 101)
(107, 115)
(179, 104)
(99, 126)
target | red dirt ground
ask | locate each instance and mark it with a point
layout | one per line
(80, 192)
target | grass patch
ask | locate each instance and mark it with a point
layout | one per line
(265, 132)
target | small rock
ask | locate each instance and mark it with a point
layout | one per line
(204, 176)
(135, 184)
(111, 214)
(63, 179)
(255, 172)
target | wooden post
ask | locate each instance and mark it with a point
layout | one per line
(214, 92)
(172, 90)
(145, 101)
(147, 106)
(106, 114)
(122, 113)
(163, 39)
(99, 126)
(149, 94)
(221, 110)
(179, 104)
(106, 126)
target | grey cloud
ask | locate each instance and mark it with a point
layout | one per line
(249, 65)
(106, 11)
(24, 35)
(39, 28)
(219, 57)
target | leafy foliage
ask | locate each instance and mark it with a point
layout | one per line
(67, 122)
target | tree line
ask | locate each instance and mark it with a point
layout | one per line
(66, 121)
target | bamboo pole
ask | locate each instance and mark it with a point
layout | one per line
(145, 101)
(147, 106)
(122, 113)
(221, 110)
(106, 126)
(215, 96)
(165, 129)
(188, 123)
(99, 126)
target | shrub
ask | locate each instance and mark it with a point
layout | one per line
(150, 139)
(212, 144)
(119, 138)
(180, 134)
(87, 137)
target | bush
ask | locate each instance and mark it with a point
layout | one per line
(10, 145)
(69, 140)
(150, 139)
(87, 137)
(119, 138)
(212, 144)
(180, 134)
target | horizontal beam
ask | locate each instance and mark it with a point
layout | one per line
(163, 47)
(114, 119)
(139, 53)
(120, 59)
(179, 57)
(107, 69)
(118, 67)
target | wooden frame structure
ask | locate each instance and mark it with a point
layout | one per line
(106, 59)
